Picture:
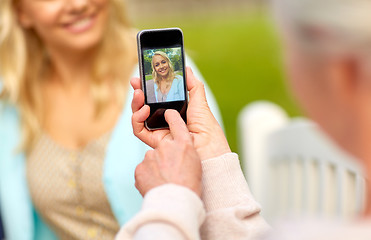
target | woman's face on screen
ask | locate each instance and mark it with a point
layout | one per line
(161, 65)
(65, 24)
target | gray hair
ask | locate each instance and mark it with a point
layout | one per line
(335, 24)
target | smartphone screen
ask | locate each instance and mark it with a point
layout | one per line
(162, 71)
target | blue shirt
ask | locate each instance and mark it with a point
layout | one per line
(124, 152)
(21, 221)
(176, 92)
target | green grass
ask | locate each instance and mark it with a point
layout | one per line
(239, 56)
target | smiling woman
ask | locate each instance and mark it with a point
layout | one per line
(58, 83)
(65, 65)
(167, 85)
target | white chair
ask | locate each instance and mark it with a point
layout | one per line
(293, 168)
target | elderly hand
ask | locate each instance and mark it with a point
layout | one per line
(174, 160)
(208, 137)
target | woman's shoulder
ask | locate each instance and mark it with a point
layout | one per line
(178, 78)
(178, 82)
(8, 110)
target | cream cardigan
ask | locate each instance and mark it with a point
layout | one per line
(227, 211)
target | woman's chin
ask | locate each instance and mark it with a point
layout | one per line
(164, 75)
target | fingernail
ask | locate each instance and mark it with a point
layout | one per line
(191, 70)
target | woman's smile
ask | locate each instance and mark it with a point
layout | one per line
(61, 25)
(80, 25)
(162, 70)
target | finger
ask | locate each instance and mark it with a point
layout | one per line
(135, 83)
(178, 128)
(143, 177)
(137, 120)
(191, 79)
(138, 100)
(195, 87)
(139, 176)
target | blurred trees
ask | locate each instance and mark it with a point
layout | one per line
(174, 55)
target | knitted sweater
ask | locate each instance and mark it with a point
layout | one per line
(226, 211)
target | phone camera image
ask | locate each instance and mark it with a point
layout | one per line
(164, 75)
(162, 71)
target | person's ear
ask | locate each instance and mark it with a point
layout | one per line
(344, 80)
(22, 16)
(365, 75)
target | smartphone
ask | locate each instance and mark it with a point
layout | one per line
(162, 72)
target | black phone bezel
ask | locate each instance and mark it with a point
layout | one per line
(153, 39)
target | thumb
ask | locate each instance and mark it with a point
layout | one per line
(177, 126)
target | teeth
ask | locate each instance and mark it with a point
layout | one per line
(81, 23)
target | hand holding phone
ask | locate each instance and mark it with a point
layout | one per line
(162, 72)
(175, 161)
(208, 137)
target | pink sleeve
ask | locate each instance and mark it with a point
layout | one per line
(231, 211)
(169, 212)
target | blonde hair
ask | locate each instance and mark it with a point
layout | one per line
(24, 62)
(155, 76)
(343, 25)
